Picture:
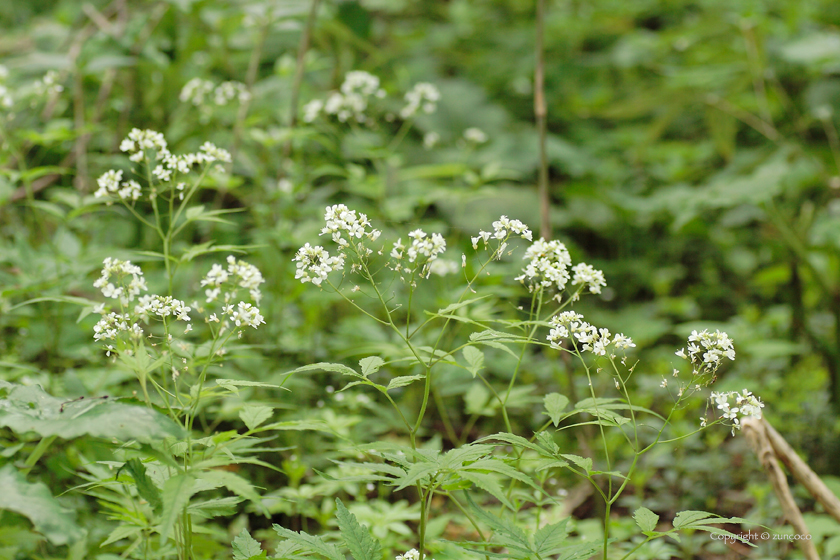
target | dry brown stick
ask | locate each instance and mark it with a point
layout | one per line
(757, 434)
(541, 114)
(803, 473)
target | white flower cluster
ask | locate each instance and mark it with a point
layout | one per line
(110, 183)
(340, 219)
(240, 274)
(592, 339)
(548, 265)
(48, 85)
(422, 96)
(421, 245)
(475, 135)
(586, 274)
(245, 315)
(351, 102)
(706, 350)
(110, 325)
(747, 405)
(120, 270)
(410, 555)
(138, 141)
(196, 91)
(503, 228)
(315, 263)
(161, 306)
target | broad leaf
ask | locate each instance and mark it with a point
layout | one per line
(403, 380)
(646, 519)
(147, 490)
(253, 416)
(30, 409)
(176, 495)
(554, 405)
(371, 365)
(475, 359)
(550, 537)
(310, 543)
(35, 502)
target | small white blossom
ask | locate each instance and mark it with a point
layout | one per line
(430, 140)
(312, 109)
(475, 135)
(119, 271)
(162, 307)
(585, 274)
(746, 405)
(706, 350)
(548, 266)
(246, 315)
(315, 263)
(422, 96)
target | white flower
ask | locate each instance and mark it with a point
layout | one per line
(706, 350)
(110, 325)
(410, 555)
(212, 153)
(622, 342)
(748, 405)
(195, 90)
(312, 109)
(442, 267)
(422, 245)
(422, 96)
(127, 289)
(6, 100)
(109, 182)
(430, 140)
(315, 263)
(503, 229)
(162, 307)
(475, 135)
(48, 85)
(340, 221)
(585, 274)
(138, 141)
(547, 267)
(246, 315)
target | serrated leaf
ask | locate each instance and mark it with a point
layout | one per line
(500, 467)
(554, 405)
(310, 543)
(120, 533)
(356, 536)
(550, 537)
(416, 472)
(235, 484)
(505, 531)
(176, 495)
(513, 440)
(30, 409)
(403, 380)
(499, 346)
(35, 502)
(685, 518)
(583, 462)
(246, 547)
(646, 519)
(145, 488)
(253, 416)
(475, 359)
(450, 308)
(233, 385)
(487, 483)
(330, 367)
(371, 365)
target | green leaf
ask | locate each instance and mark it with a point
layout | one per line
(325, 366)
(357, 537)
(246, 547)
(35, 502)
(475, 359)
(549, 538)
(403, 380)
(120, 533)
(147, 490)
(554, 405)
(487, 483)
(505, 531)
(583, 462)
(310, 543)
(233, 385)
(688, 517)
(235, 484)
(450, 308)
(30, 409)
(253, 416)
(371, 365)
(646, 519)
(176, 495)
(500, 467)
(416, 472)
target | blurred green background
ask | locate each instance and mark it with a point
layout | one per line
(693, 155)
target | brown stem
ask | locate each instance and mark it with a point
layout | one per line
(541, 114)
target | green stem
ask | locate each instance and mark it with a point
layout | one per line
(36, 454)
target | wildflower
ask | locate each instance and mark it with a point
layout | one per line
(357, 89)
(5, 97)
(138, 141)
(315, 263)
(664, 383)
(410, 555)
(547, 267)
(246, 315)
(707, 356)
(312, 109)
(161, 306)
(430, 140)
(121, 270)
(475, 135)
(441, 267)
(340, 219)
(195, 90)
(422, 96)
(422, 245)
(48, 85)
(212, 153)
(747, 406)
(109, 182)
(585, 274)
(503, 228)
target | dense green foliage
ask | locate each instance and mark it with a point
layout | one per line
(693, 156)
